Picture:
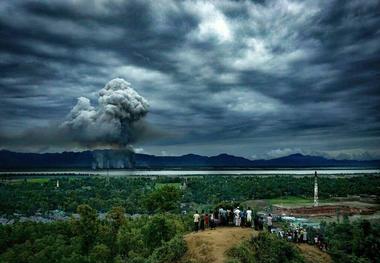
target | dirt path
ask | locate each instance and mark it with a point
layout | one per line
(210, 245)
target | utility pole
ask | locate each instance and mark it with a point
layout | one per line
(315, 189)
(108, 172)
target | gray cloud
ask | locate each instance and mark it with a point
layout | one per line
(245, 77)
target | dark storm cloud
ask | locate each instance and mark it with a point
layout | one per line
(246, 77)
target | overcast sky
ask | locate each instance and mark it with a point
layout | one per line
(250, 78)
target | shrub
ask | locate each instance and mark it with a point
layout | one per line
(100, 254)
(242, 253)
(265, 248)
(170, 251)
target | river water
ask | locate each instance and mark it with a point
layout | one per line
(185, 172)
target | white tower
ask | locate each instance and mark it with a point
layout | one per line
(315, 189)
(184, 184)
(57, 183)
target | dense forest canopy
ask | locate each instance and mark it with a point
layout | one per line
(139, 195)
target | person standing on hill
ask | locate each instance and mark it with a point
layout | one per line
(221, 220)
(261, 223)
(242, 217)
(212, 220)
(207, 219)
(256, 221)
(220, 217)
(304, 236)
(224, 217)
(249, 217)
(229, 219)
(295, 235)
(269, 223)
(196, 221)
(234, 217)
(237, 217)
(202, 225)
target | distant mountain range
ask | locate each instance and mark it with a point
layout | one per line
(122, 159)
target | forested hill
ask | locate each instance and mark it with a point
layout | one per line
(119, 159)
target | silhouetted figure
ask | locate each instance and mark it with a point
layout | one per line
(202, 225)
(207, 219)
(242, 217)
(256, 221)
(261, 223)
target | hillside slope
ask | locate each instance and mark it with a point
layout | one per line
(211, 246)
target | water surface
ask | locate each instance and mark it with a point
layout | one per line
(185, 172)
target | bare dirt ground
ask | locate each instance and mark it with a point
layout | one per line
(211, 245)
(356, 204)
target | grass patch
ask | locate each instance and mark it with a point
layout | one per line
(38, 180)
(29, 180)
(290, 200)
(286, 201)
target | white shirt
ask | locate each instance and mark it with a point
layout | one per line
(269, 218)
(249, 213)
(196, 218)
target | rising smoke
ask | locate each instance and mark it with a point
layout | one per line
(111, 123)
(114, 123)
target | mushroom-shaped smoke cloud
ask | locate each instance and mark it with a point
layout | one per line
(111, 122)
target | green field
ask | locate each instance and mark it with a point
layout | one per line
(38, 180)
(29, 180)
(291, 200)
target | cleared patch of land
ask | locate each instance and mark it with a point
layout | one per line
(289, 201)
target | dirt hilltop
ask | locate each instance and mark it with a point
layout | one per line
(211, 245)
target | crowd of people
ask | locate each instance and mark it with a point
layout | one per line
(248, 218)
(231, 217)
(297, 235)
(300, 235)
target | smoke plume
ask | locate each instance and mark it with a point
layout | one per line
(112, 121)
